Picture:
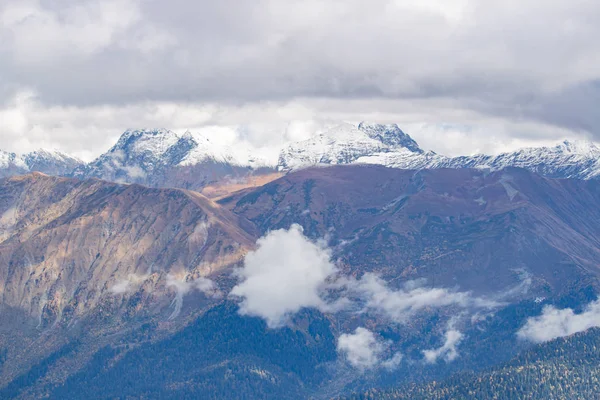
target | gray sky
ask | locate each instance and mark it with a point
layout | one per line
(460, 76)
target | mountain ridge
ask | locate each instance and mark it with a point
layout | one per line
(51, 162)
(163, 158)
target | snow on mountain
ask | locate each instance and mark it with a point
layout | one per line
(569, 159)
(50, 162)
(347, 144)
(206, 150)
(160, 157)
(387, 145)
(390, 135)
(136, 153)
(11, 161)
(405, 159)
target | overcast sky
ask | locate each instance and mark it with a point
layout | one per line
(460, 76)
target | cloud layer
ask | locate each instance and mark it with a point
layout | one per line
(129, 50)
(400, 304)
(288, 272)
(555, 323)
(485, 73)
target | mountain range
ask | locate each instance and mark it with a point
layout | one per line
(356, 264)
(162, 158)
(122, 290)
(51, 162)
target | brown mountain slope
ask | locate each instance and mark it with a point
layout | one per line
(67, 243)
(92, 261)
(467, 228)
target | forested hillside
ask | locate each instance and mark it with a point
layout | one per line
(566, 368)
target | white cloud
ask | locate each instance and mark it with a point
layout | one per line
(288, 272)
(129, 284)
(264, 127)
(364, 350)
(392, 363)
(400, 304)
(285, 274)
(448, 350)
(134, 171)
(40, 34)
(554, 323)
(183, 284)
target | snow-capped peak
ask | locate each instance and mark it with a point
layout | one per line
(156, 156)
(50, 155)
(149, 155)
(582, 147)
(11, 161)
(51, 162)
(389, 134)
(150, 141)
(346, 143)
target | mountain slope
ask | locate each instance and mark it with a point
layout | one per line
(508, 238)
(569, 159)
(459, 225)
(96, 233)
(98, 277)
(565, 368)
(76, 254)
(221, 355)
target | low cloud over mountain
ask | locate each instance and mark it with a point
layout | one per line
(554, 323)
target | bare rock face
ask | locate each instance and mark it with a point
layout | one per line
(70, 247)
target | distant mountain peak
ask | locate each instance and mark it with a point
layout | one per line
(147, 131)
(582, 147)
(51, 162)
(159, 156)
(155, 141)
(51, 154)
(389, 134)
(346, 143)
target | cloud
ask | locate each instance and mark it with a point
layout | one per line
(363, 350)
(512, 72)
(400, 304)
(554, 323)
(184, 284)
(286, 273)
(128, 285)
(392, 363)
(448, 350)
(266, 50)
(134, 171)
(264, 126)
